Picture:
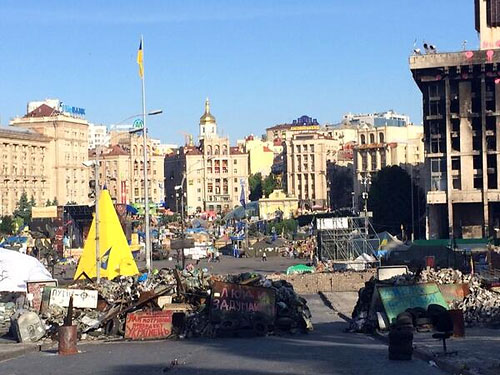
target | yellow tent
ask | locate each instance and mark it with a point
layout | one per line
(116, 257)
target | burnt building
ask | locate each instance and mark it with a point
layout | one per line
(461, 116)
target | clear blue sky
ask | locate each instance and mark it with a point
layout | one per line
(261, 62)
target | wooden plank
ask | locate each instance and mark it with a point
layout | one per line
(396, 299)
(146, 325)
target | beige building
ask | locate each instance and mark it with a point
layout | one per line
(67, 150)
(285, 132)
(278, 200)
(305, 157)
(122, 170)
(25, 167)
(215, 172)
(260, 155)
(379, 147)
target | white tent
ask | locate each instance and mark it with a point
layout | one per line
(16, 269)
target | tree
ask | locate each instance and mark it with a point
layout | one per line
(255, 183)
(7, 225)
(55, 202)
(268, 185)
(23, 209)
(390, 200)
(48, 203)
(341, 186)
(32, 201)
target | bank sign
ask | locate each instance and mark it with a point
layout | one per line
(73, 111)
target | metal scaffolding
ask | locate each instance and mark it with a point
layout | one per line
(345, 238)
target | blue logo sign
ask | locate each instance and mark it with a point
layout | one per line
(73, 110)
(138, 123)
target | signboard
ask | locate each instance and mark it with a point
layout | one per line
(454, 292)
(75, 111)
(35, 288)
(397, 299)
(44, 212)
(82, 298)
(228, 299)
(148, 325)
(304, 128)
(138, 124)
(333, 223)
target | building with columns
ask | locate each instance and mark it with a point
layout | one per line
(66, 150)
(213, 172)
(305, 158)
(383, 146)
(121, 169)
(461, 115)
(26, 162)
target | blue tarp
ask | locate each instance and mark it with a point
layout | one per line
(132, 210)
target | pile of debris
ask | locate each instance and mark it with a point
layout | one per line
(481, 306)
(190, 290)
(7, 309)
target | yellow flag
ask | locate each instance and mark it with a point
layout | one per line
(140, 61)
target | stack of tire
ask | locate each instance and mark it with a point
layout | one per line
(401, 338)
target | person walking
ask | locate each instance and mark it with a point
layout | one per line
(264, 257)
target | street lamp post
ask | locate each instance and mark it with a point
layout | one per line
(95, 164)
(181, 189)
(147, 245)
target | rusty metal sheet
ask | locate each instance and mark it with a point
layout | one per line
(148, 325)
(454, 292)
(35, 288)
(230, 300)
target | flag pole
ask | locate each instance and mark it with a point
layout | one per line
(147, 246)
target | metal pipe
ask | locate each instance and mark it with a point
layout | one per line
(97, 240)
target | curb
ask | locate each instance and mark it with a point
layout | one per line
(25, 349)
(418, 352)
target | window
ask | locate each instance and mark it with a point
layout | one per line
(363, 139)
(298, 148)
(381, 137)
(235, 170)
(372, 138)
(236, 189)
(235, 162)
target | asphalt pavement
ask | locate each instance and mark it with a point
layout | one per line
(326, 350)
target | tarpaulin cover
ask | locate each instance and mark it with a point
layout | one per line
(299, 268)
(16, 269)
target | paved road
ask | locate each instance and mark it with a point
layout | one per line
(228, 264)
(327, 350)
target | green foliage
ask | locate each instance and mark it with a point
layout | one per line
(255, 183)
(71, 203)
(341, 186)
(55, 202)
(268, 185)
(285, 227)
(23, 209)
(48, 203)
(7, 225)
(390, 200)
(32, 201)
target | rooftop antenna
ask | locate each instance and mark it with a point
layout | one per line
(464, 45)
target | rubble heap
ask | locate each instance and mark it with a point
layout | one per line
(190, 287)
(480, 307)
(7, 309)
